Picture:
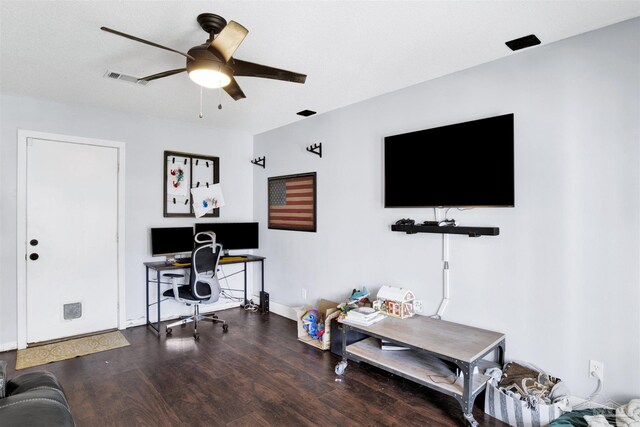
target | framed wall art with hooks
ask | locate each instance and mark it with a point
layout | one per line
(292, 202)
(183, 171)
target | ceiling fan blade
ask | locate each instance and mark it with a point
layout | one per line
(229, 39)
(163, 74)
(118, 33)
(249, 69)
(234, 90)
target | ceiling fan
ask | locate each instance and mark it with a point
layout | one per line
(212, 64)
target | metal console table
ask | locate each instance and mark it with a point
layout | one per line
(432, 342)
(161, 266)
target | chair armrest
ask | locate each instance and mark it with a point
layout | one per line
(31, 381)
(174, 284)
(36, 407)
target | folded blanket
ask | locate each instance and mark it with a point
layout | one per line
(596, 421)
(579, 418)
(629, 415)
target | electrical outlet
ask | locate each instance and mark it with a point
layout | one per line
(417, 306)
(597, 367)
(304, 294)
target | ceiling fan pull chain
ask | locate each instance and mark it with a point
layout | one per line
(201, 115)
(220, 98)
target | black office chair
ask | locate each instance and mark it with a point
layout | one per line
(203, 287)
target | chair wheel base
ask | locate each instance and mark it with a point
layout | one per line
(225, 328)
(169, 330)
(196, 336)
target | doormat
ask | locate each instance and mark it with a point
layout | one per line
(69, 349)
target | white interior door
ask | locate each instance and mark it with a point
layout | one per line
(72, 230)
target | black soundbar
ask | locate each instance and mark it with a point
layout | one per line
(470, 231)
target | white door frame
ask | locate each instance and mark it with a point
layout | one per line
(21, 249)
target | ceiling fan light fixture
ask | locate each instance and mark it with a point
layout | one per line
(209, 78)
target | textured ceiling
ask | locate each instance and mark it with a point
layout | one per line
(350, 50)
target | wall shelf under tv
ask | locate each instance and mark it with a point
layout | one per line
(470, 231)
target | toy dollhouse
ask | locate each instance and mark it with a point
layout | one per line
(394, 301)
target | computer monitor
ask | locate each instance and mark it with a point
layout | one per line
(171, 241)
(232, 235)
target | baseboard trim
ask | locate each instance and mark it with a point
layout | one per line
(280, 309)
(218, 307)
(8, 346)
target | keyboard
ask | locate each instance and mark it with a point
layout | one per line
(182, 261)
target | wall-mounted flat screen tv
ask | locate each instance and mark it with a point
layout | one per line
(468, 164)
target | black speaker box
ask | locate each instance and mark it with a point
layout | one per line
(264, 301)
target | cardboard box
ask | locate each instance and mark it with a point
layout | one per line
(327, 310)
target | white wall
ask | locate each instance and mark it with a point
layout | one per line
(562, 279)
(146, 139)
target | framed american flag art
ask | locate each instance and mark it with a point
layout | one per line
(292, 202)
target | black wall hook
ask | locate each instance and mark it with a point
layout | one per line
(260, 161)
(315, 149)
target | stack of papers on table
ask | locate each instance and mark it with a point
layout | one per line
(364, 316)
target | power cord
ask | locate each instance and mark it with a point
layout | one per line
(596, 392)
(226, 292)
(251, 306)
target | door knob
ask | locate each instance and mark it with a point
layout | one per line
(33, 242)
(34, 256)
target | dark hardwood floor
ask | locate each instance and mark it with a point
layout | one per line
(257, 374)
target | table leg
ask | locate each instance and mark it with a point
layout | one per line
(467, 393)
(342, 365)
(502, 349)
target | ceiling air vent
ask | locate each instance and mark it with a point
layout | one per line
(523, 42)
(125, 77)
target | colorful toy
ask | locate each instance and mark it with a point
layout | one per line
(356, 295)
(357, 299)
(313, 324)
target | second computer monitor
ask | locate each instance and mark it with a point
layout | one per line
(171, 241)
(233, 235)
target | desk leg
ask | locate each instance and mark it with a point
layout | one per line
(262, 272)
(147, 288)
(245, 284)
(158, 302)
